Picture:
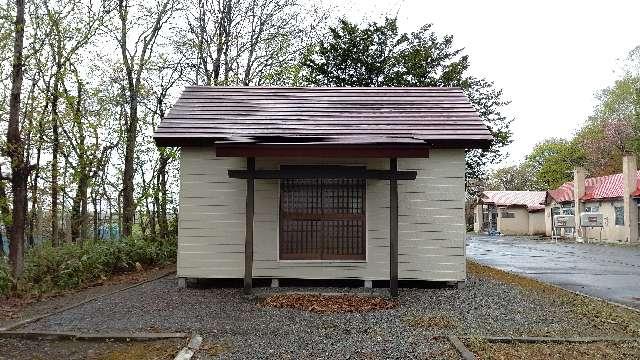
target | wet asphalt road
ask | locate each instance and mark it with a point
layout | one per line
(609, 272)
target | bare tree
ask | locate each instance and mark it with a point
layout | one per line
(63, 21)
(247, 42)
(134, 60)
(15, 150)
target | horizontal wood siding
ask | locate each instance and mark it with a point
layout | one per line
(431, 217)
(431, 220)
(211, 221)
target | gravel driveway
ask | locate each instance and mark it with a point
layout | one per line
(243, 329)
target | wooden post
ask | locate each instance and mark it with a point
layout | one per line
(248, 240)
(393, 229)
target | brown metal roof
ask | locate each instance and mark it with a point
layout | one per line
(436, 117)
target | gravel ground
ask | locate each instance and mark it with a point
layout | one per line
(236, 327)
(13, 310)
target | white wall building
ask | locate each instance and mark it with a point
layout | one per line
(510, 212)
(614, 196)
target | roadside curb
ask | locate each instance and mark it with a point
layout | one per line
(70, 335)
(66, 308)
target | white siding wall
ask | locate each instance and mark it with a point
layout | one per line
(431, 220)
(610, 231)
(537, 223)
(517, 225)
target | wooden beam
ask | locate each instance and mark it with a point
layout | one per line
(393, 229)
(324, 151)
(248, 240)
(327, 172)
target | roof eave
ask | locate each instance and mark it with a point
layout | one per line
(180, 141)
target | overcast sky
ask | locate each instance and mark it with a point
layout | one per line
(549, 57)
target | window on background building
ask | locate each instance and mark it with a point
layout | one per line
(567, 210)
(592, 208)
(619, 211)
(507, 215)
(322, 219)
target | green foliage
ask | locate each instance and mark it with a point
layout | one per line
(551, 162)
(613, 129)
(49, 268)
(514, 178)
(5, 276)
(379, 55)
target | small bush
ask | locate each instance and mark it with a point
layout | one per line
(49, 268)
(5, 277)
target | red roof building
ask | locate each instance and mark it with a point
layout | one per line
(596, 188)
(532, 200)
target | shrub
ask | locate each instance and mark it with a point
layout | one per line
(5, 277)
(49, 268)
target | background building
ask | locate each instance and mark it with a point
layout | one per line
(614, 196)
(510, 212)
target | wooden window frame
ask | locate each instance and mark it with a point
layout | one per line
(365, 238)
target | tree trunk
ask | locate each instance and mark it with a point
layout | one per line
(62, 235)
(55, 144)
(96, 212)
(110, 218)
(151, 221)
(133, 76)
(5, 211)
(78, 209)
(34, 194)
(161, 194)
(15, 150)
(128, 202)
(119, 213)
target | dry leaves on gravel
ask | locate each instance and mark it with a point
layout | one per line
(329, 303)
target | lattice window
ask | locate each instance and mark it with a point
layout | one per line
(322, 219)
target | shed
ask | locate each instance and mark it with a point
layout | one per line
(322, 183)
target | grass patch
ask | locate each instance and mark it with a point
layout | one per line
(432, 321)
(540, 351)
(6, 281)
(608, 318)
(50, 269)
(166, 349)
(214, 348)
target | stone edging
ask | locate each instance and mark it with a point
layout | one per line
(552, 339)
(464, 352)
(70, 335)
(188, 351)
